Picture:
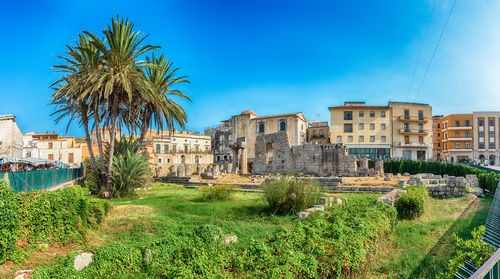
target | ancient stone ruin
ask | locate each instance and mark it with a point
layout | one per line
(273, 154)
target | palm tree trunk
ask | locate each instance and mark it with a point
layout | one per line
(91, 152)
(112, 136)
(99, 140)
(144, 129)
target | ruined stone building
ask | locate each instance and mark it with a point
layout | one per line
(234, 141)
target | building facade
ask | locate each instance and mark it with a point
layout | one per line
(456, 138)
(364, 130)
(11, 138)
(486, 137)
(171, 149)
(436, 137)
(318, 132)
(51, 146)
(411, 130)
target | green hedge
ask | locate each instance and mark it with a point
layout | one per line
(59, 216)
(411, 204)
(487, 180)
(334, 245)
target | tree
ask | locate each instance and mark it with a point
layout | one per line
(106, 84)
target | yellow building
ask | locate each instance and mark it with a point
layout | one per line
(364, 130)
(318, 132)
(411, 130)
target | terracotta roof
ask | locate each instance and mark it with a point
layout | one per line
(248, 112)
(375, 107)
(278, 115)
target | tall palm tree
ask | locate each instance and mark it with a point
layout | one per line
(157, 107)
(119, 79)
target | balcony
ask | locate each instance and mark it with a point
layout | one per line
(458, 139)
(459, 128)
(413, 132)
(413, 119)
(459, 149)
(411, 144)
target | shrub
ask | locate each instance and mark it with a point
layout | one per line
(8, 220)
(217, 193)
(411, 204)
(97, 211)
(130, 171)
(289, 196)
(474, 250)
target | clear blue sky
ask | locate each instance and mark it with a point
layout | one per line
(269, 56)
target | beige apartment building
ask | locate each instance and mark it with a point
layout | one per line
(411, 130)
(486, 135)
(365, 130)
(456, 131)
(51, 146)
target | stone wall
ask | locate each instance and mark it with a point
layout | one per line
(444, 186)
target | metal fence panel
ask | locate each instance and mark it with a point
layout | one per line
(26, 181)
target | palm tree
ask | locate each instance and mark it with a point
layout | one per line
(157, 107)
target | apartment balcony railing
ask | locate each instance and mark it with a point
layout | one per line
(458, 139)
(459, 149)
(458, 128)
(185, 152)
(413, 131)
(413, 118)
(411, 144)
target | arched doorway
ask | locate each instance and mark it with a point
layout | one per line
(492, 160)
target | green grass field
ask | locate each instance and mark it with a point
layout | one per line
(418, 248)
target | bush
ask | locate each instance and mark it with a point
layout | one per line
(474, 250)
(97, 211)
(411, 204)
(290, 196)
(9, 207)
(130, 171)
(217, 193)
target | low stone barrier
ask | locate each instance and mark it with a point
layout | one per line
(391, 197)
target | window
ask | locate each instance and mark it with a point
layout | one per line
(51, 156)
(347, 115)
(445, 135)
(186, 148)
(28, 154)
(439, 126)
(229, 138)
(349, 138)
(261, 127)
(492, 134)
(382, 126)
(439, 135)
(420, 128)
(361, 138)
(481, 122)
(481, 145)
(372, 126)
(439, 144)
(159, 160)
(481, 134)
(406, 126)
(165, 148)
(457, 145)
(347, 128)
(361, 114)
(467, 134)
(467, 145)
(339, 138)
(457, 123)
(372, 138)
(321, 133)
(174, 148)
(457, 134)
(314, 133)
(383, 139)
(421, 139)
(158, 148)
(492, 123)
(50, 145)
(420, 115)
(70, 158)
(361, 126)
(372, 114)
(467, 123)
(382, 114)
(282, 125)
(446, 125)
(492, 145)
(407, 114)
(407, 139)
(197, 148)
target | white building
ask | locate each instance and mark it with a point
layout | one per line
(11, 138)
(30, 148)
(486, 130)
(53, 147)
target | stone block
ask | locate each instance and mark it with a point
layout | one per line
(82, 261)
(303, 215)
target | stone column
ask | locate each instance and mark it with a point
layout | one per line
(243, 159)
(235, 160)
